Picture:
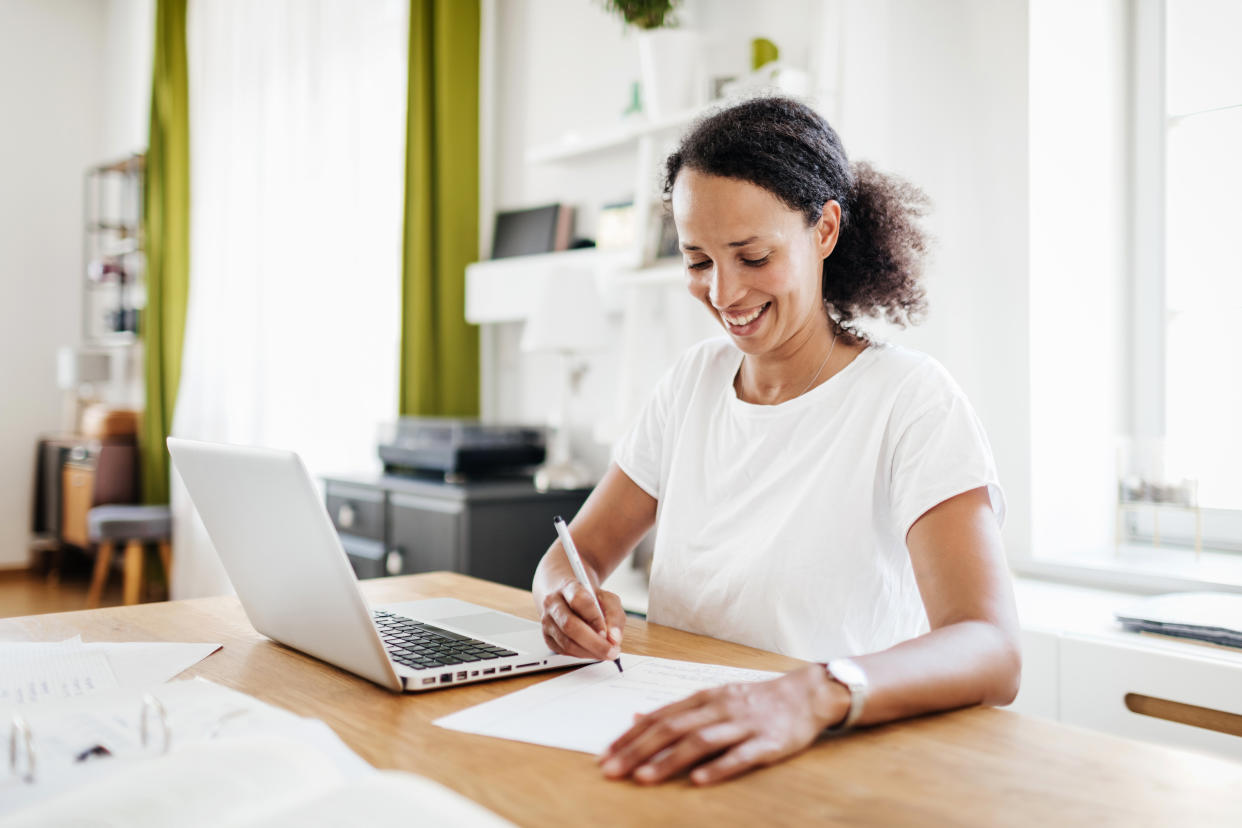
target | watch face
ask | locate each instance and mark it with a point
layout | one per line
(847, 672)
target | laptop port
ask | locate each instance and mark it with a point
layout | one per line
(461, 675)
(532, 664)
(489, 671)
(473, 673)
(445, 678)
(429, 680)
(506, 668)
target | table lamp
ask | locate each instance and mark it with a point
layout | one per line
(568, 320)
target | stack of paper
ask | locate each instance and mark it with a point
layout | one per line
(1215, 617)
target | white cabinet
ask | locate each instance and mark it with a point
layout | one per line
(1078, 667)
(1098, 673)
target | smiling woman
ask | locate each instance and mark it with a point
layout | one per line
(816, 492)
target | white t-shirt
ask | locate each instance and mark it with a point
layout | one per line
(783, 526)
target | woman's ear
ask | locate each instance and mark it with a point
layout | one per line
(828, 228)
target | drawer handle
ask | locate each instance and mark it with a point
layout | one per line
(345, 516)
(394, 561)
(1188, 714)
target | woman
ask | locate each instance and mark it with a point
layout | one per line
(815, 492)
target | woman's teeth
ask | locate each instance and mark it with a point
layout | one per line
(738, 321)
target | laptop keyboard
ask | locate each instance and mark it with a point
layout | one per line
(420, 645)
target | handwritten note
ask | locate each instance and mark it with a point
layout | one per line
(588, 708)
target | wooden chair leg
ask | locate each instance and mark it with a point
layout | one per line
(103, 564)
(133, 571)
(166, 557)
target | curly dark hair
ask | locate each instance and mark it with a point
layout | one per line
(786, 148)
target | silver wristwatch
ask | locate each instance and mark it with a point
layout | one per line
(846, 672)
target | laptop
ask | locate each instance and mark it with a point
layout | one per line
(272, 532)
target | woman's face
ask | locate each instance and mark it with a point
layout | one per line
(753, 261)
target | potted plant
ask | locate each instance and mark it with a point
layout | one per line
(667, 56)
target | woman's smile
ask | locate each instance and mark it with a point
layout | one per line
(744, 322)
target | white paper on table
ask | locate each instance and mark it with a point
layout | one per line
(38, 672)
(587, 709)
(139, 665)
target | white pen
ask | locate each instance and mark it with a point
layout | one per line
(571, 552)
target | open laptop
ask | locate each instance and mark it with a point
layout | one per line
(265, 517)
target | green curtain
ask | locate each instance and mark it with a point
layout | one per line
(167, 241)
(439, 350)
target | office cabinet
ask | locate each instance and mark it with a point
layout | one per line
(496, 530)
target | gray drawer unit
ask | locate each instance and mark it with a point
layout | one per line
(496, 530)
(426, 533)
(356, 510)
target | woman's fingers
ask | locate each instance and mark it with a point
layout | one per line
(589, 642)
(653, 718)
(690, 750)
(746, 756)
(559, 642)
(655, 737)
(614, 615)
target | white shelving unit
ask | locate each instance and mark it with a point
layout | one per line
(577, 144)
(504, 290)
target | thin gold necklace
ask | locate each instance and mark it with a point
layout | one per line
(821, 365)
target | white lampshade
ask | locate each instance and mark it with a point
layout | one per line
(568, 315)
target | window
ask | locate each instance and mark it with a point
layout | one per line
(1186, 332)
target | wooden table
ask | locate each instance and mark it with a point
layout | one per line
(970, 767)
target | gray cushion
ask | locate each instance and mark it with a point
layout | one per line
(126, 522)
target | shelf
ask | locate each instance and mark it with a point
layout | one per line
(506, 290)
(575, 145)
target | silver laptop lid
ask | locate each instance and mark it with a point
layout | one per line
(265, 518)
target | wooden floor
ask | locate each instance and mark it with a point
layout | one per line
(25, 592)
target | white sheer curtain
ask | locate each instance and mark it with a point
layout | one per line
(297, 136)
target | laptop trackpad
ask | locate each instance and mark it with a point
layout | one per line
(488, 623)
(509, 630)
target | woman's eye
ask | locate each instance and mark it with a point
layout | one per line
(703, 265)
(756, 262)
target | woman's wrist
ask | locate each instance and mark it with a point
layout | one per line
(829, 700)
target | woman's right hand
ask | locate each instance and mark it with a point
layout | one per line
(573, 626)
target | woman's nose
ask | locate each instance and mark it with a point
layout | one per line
(724, 288)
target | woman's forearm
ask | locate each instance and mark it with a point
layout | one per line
(958, 665)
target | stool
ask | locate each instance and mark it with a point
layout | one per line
(134, 526)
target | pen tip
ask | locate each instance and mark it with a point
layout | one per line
(620, 669)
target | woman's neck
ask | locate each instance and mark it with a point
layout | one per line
(804, 362)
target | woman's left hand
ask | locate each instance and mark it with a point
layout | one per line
(728, 730)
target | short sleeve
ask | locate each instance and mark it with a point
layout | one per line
(942, 451)
(640, 453)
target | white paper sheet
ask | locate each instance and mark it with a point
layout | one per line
(31, 673)
(140, 665)
(586, 709)
(39, 671)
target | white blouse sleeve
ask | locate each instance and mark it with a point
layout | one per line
(640, 453)
(941, 451)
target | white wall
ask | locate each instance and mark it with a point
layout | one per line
(56, 94)
(935, 90)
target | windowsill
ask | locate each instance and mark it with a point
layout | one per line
(1143, 569)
